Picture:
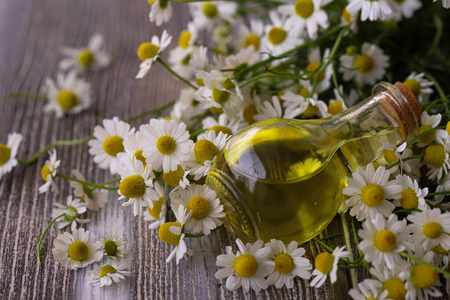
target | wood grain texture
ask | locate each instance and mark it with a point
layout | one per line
(31, 31)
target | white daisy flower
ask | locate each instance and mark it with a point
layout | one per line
(149, 52)
(186, 108)
(412, 196)
(326, 264)
(222, 35)
(188, 36)
(157, 214)
(179, 59)
(48, 172)
(111, 246)
(416, 83)
(437, 201)
(223, 86)
(369, 289)
(337, 104)
(438, 161)
(94, 199)
(204, 204)
(172, 234)
(383, 240)
(8, 153)
(445, 3)
(71, 211)
(209, 13)
(368, 191)
(350, 20)
(177, 178)
(373, 10)
(167, 146)
(246, 268)
(430, 228)
(200, 62)
(273, 110)
(107, 274)
(289, 263)
(160, 12)
(315, 62)
(367, 67)
(391, 278)
(136, 185)
(92, 57)
(292, 101)
(307, 14)
(77, 250)
(218, 101)
(428, 122)
(222, 124)
(108, 143)
(132, 148)
(242, 59)
(406, 9)
(250, 35)
(68, 95)
(204, 152)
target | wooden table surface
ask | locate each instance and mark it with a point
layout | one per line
(31, 32)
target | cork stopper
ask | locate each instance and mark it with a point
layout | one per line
(412, 100)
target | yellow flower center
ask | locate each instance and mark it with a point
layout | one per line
(389, 156)
(440, 250)
(166, 144)
(113, 145)
(107, 269)
(210, 10)
(67, 100)
(78, 250)
(133, 186)
(184, 38)
(173, 177)
(220, 96)
(304, 8)
(73, 217)
(324, 262)
(304, 92)
(147, 50)
(363, 63)
(351, 50)
(245, 265)
(205, 150)
(218, 129)
(249, 113)
(216, 110)
(346, 15)
(432, 230)
(199, 81)
(138, 156)
(413, 85)
(372, 195)
(168, 237)
(335, 107)
(252, 39)
(199, 207)
(151, 2)
(434, 155)
(110, 248)
(448, 127)
(86, 58)
(385, 240)
(427, 138)
(283, 263)
(313, 69)
(157, 208)
(228, 84)
(311, 111)
(423, 276)
(396, 289)
(409, 199)
(5, 154)
(45, 171)
(277, 35)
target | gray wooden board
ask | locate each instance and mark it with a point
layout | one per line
(31, 31)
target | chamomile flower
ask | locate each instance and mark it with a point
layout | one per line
(186, 108)
(350, 20)
(111, 246)
(373, 10)
(406, 9)
(204, 204)
(250, 35)
(430, 228)
(107, 274)
(68, 95)
(315, 62)
(92, 57)
(108, 143)
(246, 268)
(77, 250)
(71, 211)
(367, 67)
(94, 199)
(161, 11)
(326, 264)
(222, 124)
(392, 278)
(208, 14)
(438, 199)
(428, 122)
(157, 214)
(289, 263)
(8, 153)
(177, 178)
(412, 196)
(307, 14)
(48, 172)
(368, 289)
(133, 150)
(337, 104)
(204, 152)
(179, 59)
(438, 162)
(149, 52)
(172, 234)
(167, 146)
(272, 110)
(369, 190)
(383, 240)
(420, 86)
(188, 36)
(136, 185)
(445, 3)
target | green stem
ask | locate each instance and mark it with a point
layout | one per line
(196, 133)
(87, 183)
(330, 236)
(157, 111)
(27, 95)
(106, 183)
(406, 210)
(438, 193)
(403, 159)
(425, 263)
(175, 73)
(318, 241)
(424, 133)
(42, 238)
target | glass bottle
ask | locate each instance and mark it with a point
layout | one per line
(283, 178)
